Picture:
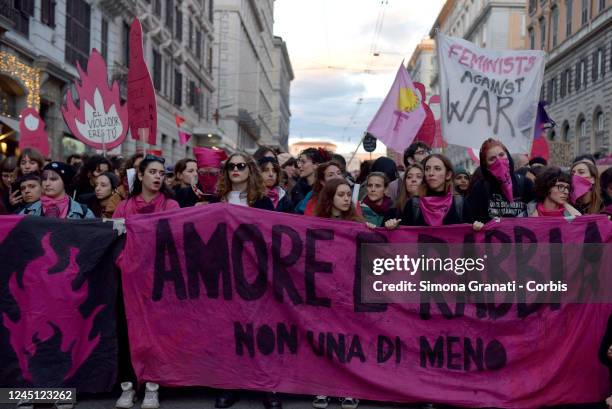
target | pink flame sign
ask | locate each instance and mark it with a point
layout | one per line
(100, 121)
(48, 305)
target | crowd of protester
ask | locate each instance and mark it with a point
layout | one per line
(425, 190)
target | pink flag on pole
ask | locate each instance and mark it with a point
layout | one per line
(401, 114)
(183, 137)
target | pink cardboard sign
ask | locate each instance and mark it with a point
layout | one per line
(100, 120)
(142, 106)
(32, 132)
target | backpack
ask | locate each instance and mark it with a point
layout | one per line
(457, 203)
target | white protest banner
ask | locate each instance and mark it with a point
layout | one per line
(488, 93)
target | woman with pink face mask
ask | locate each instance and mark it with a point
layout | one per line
(209, 170)
(500, 192)
(586, 193)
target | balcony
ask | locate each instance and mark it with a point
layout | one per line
(8, 16)
(114, 8)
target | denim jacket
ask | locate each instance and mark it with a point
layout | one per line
(75, 211)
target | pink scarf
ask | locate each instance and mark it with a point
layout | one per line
(551, 213)
(580, 187)
(55, 207)
(273, 195)
(137, 205)
(435, 208)
(501, 170)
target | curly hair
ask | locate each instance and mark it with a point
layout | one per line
(547, 179)
(326, 202)
(255, 189)
(320, 177)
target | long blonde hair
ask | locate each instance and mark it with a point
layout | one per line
(255, 189)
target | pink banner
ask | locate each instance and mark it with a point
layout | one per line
(32, 133)
(238, 298)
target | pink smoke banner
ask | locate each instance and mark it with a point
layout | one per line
(239, 298)
(58, 295)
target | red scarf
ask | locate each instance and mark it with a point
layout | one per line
(137, 205)
(435, 208)
(549, 213)
(272, 193)
(379, 209)
(52, 207)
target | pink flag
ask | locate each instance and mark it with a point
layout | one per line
(400, 116)
(32, 131)
(183, 137)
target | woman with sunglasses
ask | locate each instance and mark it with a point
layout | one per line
(241, 183)
(150, 194)
(552, 190)
(586, 193)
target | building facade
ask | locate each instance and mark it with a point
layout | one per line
(421, 64)
(282, 76)
(577, 36)
(494, 24)
(39, 51)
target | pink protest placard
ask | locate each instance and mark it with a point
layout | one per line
(238, 298)
(100, 120)
(142, 105)
(32, 133)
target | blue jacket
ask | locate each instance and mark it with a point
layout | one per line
(75, 211)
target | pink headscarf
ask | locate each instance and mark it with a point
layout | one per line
(209, 158)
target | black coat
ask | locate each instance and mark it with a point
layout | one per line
(487, 200)
(413, 216)
(185, 196)
(299, 192)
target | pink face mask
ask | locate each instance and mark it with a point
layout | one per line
(580, 187)
(501, 170)
(435, 208)
(208, 183)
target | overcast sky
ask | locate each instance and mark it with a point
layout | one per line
(331, 45)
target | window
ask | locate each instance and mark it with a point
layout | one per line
(568, 18)
(191, 94)
(157, 70)
(179, 24)
(555, 25)
(78, 19)
(178, 88)
(126, 43)
(584, 15)
(565, 133)
(157, 8)
(583, 139)
(190, 41)
(532, 6)
(550, 90)
(169, 12)
(104, 45)
(563, 87)
(600, 121)
(582, 128)
(47, 12)
(210, 10)
(580, 74)
(600, 60)
(198, 44)
(531, 38)
(602, 5)
(542, 33)
(210, 58)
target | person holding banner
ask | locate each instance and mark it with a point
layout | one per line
(499, 192)
(308, 160)
(186, 171)
(586, 193)
(271, 174)
(376, 207)
(552, 191)
(436, 204)
(55, 202)
(241, 183)
(325, 172)
(411, 183)
(106, 196)
(150, 194)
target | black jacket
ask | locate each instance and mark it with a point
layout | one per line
(459, 212)
(263, 203)
(299, 192)
(185, 196)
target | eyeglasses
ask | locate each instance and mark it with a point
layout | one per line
(421, 152)
(240, 166)
(562, 188)
(153, 158)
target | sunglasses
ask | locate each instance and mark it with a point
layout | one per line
(150, 158)
(240, 166)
